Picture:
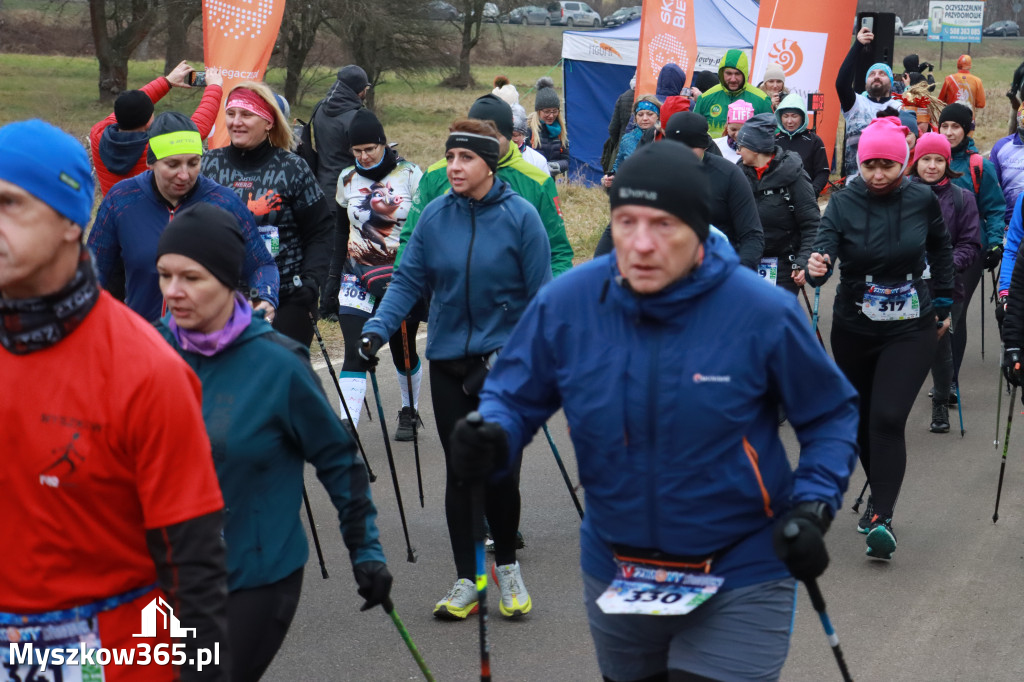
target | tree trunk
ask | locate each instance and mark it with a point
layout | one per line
(180, 15)
(463, 77)
(299, 30)
(113, 52)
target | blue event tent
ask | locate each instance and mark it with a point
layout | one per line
(597, 66)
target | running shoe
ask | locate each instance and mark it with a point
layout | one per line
(881, 540)
(951, 400)
(515, 600)
(940, 417)
(460, 601)
(864, 525)
(407, 418)
(489, 541)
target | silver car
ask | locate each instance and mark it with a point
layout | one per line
(572, 13)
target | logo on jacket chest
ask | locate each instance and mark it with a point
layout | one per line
(699, 378)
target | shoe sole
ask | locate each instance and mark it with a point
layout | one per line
(515, 611)
(444, 613)
(941, 429)
(403, 436)
(881, 544)
(862, 530)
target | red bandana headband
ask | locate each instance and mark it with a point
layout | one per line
(244, 98)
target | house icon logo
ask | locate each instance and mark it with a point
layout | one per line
(158, 608)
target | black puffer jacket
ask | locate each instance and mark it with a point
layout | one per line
(1013, 322)
(886, 237)
(733, 210)
(330, 124)
(786, 205)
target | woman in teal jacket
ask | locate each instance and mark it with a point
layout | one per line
(481, 253)
(266, 416)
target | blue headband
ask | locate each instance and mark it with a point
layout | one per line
(648, 106)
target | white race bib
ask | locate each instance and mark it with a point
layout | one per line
(271, 239)
(768, 268)
(354, 296)
(886, 304)
(62, 635)
(656, 591)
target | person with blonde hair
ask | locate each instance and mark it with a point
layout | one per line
(287, 203)
(547, 126)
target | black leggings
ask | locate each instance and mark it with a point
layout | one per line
(352, 331)
(450, 404)
(888, 372)
(258, 620)
(293, 321)
(972, 275)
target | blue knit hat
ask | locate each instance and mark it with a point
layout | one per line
(50, 165)
(884, 67)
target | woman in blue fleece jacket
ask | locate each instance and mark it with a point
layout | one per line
(481, 254)
(266, 416)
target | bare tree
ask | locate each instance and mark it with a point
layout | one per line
(118, 26)
(299, 27)
(179, 16)
(472, 22)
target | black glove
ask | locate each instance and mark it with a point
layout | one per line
(306, 295)
(993, 257)
(477, 449)
(368, 347)
(799, 539)
(374, 580)
(1011, 366)
(1000, 312)
(329, 295)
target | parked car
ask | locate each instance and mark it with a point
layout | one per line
(441, 11)
(571, 13)
(1002, 28)
(528, 14)
(898, 27)
(918, 27)
(622, 15)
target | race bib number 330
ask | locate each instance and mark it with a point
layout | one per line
(655, 591)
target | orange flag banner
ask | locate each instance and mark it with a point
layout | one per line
(238, 37)
(667, 36)
(810, 47)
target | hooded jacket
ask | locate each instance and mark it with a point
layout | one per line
(128, 226)
(266, 415)
(480, 261)
(526, 180)
(1013, 322)
(714, 104)
(677, 439)
(733, 209)
(887, 238)
(991, 203)
(786, 205)
(329, 132)
(962, 224)
(803, 142)
(118, 155)
(1007, 157)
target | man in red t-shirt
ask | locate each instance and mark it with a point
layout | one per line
(118, 142)
(110, 501)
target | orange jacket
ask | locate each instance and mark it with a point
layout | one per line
(963, 87)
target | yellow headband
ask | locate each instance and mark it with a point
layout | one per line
(177, 142)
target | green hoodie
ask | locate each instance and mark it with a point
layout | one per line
(714, 104)
(794, 102)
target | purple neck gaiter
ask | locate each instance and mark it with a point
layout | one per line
(214, 342)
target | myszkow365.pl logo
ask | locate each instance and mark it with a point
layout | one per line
(39, 655)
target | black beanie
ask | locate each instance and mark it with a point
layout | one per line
(132, 109)
(705, 80)
(210, 236)
(496, 110)
(758, 134)
(665, 175)
(168, 122)
(959, 114)
(689, 128)
(354, 77)
(365, 129)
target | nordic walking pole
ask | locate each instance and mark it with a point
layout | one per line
(475, 420)
(960, 409)
(415, 416)
(389, 608)
(999, 400)
(312, 529)
(366, 407)
(348, 415)
(860, 498)
(813, 313)
(981, 309)
(1006, 446)
(565, 474)
(411, 555)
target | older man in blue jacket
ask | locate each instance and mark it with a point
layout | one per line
(670, 362)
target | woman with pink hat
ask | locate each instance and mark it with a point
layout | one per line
(886, 322)
(931, 166)
(736, 115)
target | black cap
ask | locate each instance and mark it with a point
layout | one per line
(496, 110)
(365, 128)
(354, 77)
(210, 236)
(132, 109)
(665, 175)
(689, 128)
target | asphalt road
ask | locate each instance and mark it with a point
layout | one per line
(948, 607)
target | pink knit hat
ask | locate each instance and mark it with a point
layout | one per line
(932, 143)
(884, 138)
(739, 111)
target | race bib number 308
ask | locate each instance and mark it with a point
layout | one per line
(354, 296)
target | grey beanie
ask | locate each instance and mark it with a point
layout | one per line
(758, 134)
(546, 98)
(519, 123)
(354, 77)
